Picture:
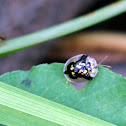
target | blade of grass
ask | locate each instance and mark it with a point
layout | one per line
(66, 28)
(13, 117)
(38, 107)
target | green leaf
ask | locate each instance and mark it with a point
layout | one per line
(104, 97)
(66, 28)
(13, 117)
(2, 124)
(18, 107)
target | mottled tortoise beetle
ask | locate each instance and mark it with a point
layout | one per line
(80, 68)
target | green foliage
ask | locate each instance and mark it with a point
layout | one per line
(13, 117)
(66, 28)
(103, 97)
(2, 125)
(18, 107)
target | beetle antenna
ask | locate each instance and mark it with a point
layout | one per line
(106, 66)
(105, 59)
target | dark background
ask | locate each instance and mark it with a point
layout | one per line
(20, 17)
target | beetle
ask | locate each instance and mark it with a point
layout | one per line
(80, 69)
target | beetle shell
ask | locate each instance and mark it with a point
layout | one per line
(80, 68)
